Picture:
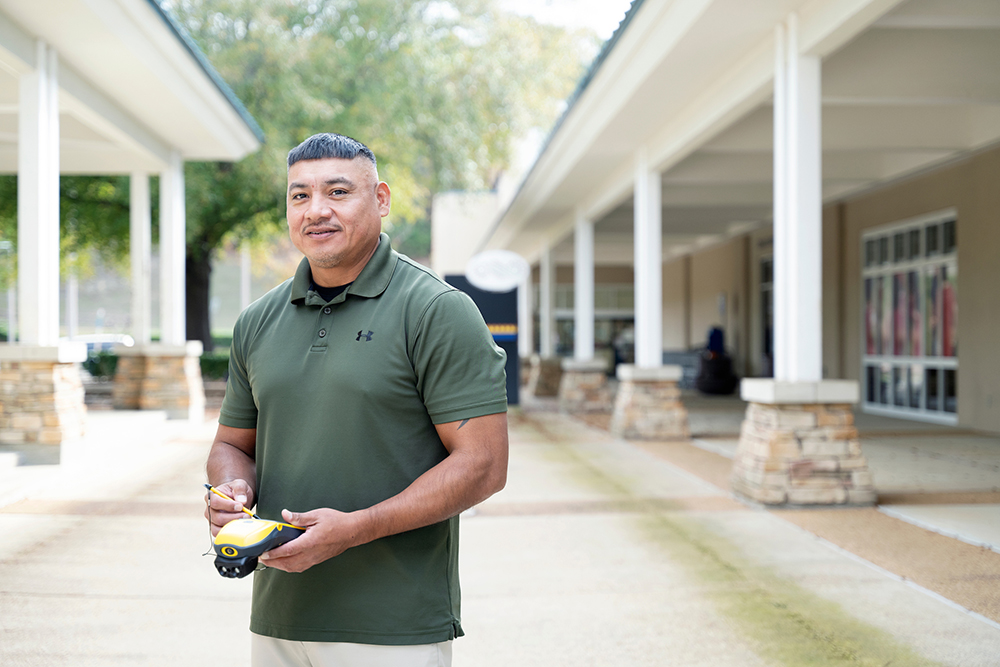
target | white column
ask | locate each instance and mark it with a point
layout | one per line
(172, 244)
(245, 283)
(583, 288)
(38, 201)
(779, 342)
(648, 266)
(140, 253)
(546, 305)
(525, 319)
(797, 212)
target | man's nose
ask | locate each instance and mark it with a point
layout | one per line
(319, 209)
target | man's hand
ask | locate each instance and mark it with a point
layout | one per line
(220, 511)
(328, 533)
(232, 471)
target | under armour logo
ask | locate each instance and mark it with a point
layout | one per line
(367, 336)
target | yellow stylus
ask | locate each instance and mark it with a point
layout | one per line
(222, 495)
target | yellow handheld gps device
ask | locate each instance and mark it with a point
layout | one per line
(240, 542)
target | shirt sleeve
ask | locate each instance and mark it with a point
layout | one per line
(459, 368)
(239, 410)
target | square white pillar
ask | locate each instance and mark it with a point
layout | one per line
(38, 201)
(546, 305)
(140, 254)
(172, 253)
(648, 266)
(798, 151)
(583, 288)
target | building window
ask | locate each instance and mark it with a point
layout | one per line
(910, 319)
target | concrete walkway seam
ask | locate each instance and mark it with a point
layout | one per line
(713, 448)
(935, 529)
(830, 545)
(895, 577)
(690, 476)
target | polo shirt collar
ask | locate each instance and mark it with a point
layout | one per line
(371, 282)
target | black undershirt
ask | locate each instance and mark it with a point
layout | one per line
(328, 294)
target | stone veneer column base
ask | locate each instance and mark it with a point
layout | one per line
(584, 386)
(648, 404)
(41, 394)
(161, 377)
(544, 376)
(799, 446)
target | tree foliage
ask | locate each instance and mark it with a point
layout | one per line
(439, 89)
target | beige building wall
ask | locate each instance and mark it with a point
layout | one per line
(675, 311)
(833, 316)
(760, 244)
(458, 221)
(972, 188)
(720, 296)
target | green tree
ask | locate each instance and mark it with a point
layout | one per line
(438, 88)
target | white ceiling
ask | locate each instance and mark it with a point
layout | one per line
(130, 90)
(916, 86)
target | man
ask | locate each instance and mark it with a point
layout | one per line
(366, 403)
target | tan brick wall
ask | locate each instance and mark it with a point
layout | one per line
(544, 377)
(649, 410)
(584, 391)
(801, 455)
(169, 383)
(41, 402)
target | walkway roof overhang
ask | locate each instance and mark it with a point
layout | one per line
(907, 85)
(133, 87)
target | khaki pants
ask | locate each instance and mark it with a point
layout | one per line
(271, 652)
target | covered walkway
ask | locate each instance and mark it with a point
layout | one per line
(598, 552)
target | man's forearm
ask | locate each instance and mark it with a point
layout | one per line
(227, 462)
(459, 482)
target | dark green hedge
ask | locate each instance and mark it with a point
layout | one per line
(101, 364)
(214, 365)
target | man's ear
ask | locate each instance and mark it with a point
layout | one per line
(384, 196)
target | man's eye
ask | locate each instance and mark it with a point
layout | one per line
(340, 192)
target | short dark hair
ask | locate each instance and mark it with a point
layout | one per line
(330, 145)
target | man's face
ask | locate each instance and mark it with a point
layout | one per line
(335, 209)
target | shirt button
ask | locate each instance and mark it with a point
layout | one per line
(327, 310)
(322, 333)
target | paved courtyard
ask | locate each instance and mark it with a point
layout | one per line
(598, 552)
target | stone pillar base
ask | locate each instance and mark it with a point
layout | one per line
(544, 376)
(648, 405)
(584, 386)
(127, 385)
(161, 377)
(524, 369)
(41, 395)
(796, 450)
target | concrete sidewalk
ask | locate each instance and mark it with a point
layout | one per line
(606, 553)
(598, 552)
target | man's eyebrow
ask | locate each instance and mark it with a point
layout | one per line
(336, 180)
(339, 180)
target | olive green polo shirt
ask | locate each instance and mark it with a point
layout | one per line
(344, 396)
